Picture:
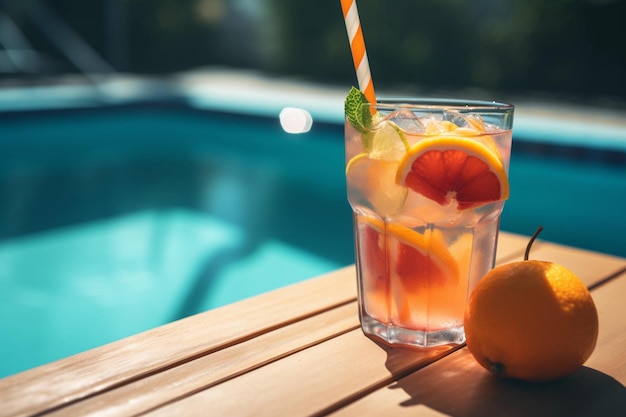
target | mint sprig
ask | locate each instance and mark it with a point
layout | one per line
(357, 110)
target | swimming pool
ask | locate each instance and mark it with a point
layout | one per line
(117, 218)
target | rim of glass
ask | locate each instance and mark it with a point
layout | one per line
(442, 104)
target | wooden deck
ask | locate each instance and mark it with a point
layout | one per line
(299, 351)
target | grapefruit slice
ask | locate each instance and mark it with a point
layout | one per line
(461, 250)
(468, 170)
(401, 269)
(424, 277)
(372, 249)
(410, 254)
(422, 258)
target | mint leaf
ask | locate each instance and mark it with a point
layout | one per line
(357, 110)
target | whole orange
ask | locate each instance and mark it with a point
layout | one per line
(531, 320)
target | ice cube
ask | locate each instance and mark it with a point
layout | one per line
(470, 121)
(455, 117)
(406, 120)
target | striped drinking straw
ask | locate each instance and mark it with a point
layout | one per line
(357, 45)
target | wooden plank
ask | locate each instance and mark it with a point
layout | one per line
(511, 247)
(457, 385)
(309, 382)
(610, 355)
(207, 371)
(100, 369)
(591, 267)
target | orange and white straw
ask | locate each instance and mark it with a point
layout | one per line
(357, 45)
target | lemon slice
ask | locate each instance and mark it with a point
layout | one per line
(386, 142)
(371, 183)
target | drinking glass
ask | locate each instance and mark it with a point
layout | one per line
(426, 180)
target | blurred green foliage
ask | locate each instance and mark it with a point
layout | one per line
(560, 47)
(565, 47)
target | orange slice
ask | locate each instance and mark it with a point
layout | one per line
(468, 170)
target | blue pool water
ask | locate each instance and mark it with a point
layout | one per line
(116, 219)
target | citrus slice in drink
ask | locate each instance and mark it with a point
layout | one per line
(372, 183)
(468, 170)
(422, 258)
(461, 251)
(424, 278)
(400, 268)
(386, 142)
(372, 252)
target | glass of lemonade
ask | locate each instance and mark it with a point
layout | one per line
(427, 181)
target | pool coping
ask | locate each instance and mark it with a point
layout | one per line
(251, 93)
